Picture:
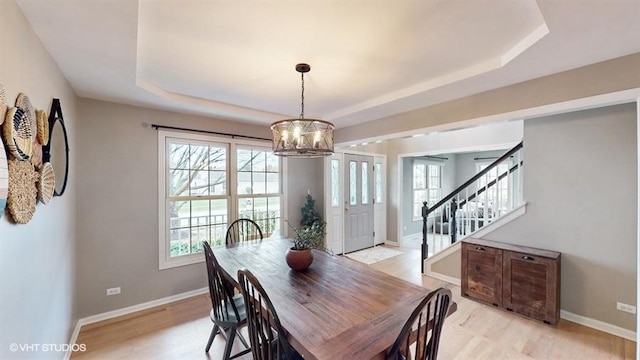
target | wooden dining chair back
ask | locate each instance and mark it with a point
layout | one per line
(266, 335)
(243, 230)
(228, 312)
(423, 328)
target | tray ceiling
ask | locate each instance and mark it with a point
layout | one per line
(369, 59)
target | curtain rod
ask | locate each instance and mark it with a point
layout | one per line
(432, 157)
(488, 158)
(156, 126)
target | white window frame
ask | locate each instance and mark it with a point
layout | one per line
(427, 184)
(164, 259)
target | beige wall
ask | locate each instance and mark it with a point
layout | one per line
(118, 203)
(37, 260)
(596, 273)
(580, 184)
(449, 265)
(305, 175)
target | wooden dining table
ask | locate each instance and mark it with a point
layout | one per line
(336, 309)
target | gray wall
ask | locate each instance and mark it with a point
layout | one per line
(304, 175)
(37, 260)
(118, 204)
(580, 184)
(466, 165)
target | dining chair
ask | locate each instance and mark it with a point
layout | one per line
(243, 230)
(268, 338)
(423, 328)
(228, 312)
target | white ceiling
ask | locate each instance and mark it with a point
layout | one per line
(369, 59)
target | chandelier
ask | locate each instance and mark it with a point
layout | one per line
(302, 137)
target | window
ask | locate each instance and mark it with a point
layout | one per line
(365, 183)
(352, 183)
(335, 182)
(427, 186)
(258, 182)
(378, 180)
(196, 201)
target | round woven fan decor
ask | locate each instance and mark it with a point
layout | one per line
(23, 101)
(3, 104)
(46, 183)
(21, 199)
(43, 127)
(17, 134)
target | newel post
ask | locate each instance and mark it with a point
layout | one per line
(452, 221)
(425, 246)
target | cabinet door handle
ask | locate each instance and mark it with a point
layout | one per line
(479, 248)
(527, 257)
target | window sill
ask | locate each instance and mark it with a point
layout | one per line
(181, 261)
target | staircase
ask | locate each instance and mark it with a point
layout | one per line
(488, 196)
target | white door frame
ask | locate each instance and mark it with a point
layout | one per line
(334, 215)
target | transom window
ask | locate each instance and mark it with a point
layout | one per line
(196, 201)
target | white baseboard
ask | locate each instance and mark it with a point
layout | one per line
(391, 243)
(128, 310)
(599, 325)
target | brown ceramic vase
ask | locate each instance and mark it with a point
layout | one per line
(299, 260)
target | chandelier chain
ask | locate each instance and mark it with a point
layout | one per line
(302, 97)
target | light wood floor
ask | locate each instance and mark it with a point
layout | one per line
(180, 330)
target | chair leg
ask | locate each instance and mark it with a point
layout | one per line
(242, 339)
(214, 332)
(231, 334)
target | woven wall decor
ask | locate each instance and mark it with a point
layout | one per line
(4, 178)
(3, 104)
(21, 199)
(17, 133)
(36, 156)
(23, 102)
(43, 127)
(46, 183)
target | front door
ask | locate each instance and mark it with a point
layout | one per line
(358, 186)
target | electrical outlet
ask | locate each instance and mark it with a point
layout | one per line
(113, 291)
(626, 307)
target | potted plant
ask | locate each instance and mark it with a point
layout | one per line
(309, 236)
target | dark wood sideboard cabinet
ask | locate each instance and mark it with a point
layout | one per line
(517, 278)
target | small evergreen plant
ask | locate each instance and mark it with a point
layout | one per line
(312, 231)
(309, 214)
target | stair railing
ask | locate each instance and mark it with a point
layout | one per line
(474, 203)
